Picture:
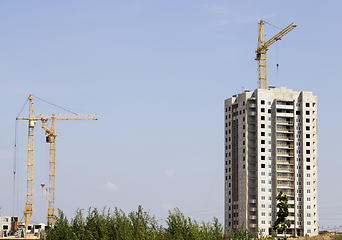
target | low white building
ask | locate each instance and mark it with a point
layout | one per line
(5, 226)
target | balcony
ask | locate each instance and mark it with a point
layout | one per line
(253, 225)
(285, 170)
(252, 177)
(252, 113)
(285, 178)
(251, 153)
(285, 146)
(251, 136)
(284, 154)
(252, 193)
(252, 105)
(252, 161)
(252, 169)
(252, 209)
(283, 106)
(251, 129)
(253, 217)
(284, 122)
(285, 162)
(252, 200)
(286, 115)
(284, 130)
(285, 186)
(285, 138)
(289, 192)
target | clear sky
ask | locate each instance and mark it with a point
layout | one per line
(157, 74)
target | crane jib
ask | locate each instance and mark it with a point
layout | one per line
(262, 50)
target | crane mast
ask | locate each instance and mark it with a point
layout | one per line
(29, 192)
(262, 50)
(51, 139)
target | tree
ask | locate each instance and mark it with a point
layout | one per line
(139, 225)
(282, 223)
(61, 230)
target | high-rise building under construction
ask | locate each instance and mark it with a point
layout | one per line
(271, 146)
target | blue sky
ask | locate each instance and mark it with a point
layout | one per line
(156, 73)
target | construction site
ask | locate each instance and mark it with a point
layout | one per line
(23, 228)
(198, 111)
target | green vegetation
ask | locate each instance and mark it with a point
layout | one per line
(282, 223)
(115, 224)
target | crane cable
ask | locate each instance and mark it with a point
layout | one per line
(42, 157)
(277, 59)
(14, 163)
(15, 154)
(277, 47)
(54, 104)
(273, 25)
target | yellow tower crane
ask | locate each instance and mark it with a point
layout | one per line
(262, 49)
(50, 138)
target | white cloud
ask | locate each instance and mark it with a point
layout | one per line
(166, 206)
(169, 173)
(110, 187)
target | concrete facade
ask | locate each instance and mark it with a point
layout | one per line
(271, 146)
(5, 226)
